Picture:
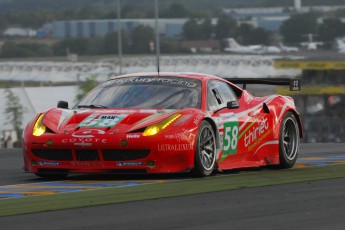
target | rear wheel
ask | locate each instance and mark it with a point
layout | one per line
(288, 141)
(205, 152)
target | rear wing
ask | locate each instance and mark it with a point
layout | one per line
(294, 83)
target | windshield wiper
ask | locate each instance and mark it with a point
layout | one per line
(91, 106)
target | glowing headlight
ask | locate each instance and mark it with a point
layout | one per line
(156, 128)
(39, 128)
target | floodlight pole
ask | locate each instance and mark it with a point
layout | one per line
(119, 36)
(157, 34)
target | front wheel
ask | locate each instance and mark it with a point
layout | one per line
(288, 141)
(205, 151)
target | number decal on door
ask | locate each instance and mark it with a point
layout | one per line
(230, 137)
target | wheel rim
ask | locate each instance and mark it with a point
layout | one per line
(207, 148)
(290, 139)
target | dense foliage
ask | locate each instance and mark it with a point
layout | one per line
(299, 26)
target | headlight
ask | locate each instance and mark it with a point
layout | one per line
(39, 128)
(156, 128)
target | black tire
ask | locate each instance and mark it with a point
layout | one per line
(205, 151)
(51, 176)
(288, 141)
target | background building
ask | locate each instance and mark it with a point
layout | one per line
(168, 28)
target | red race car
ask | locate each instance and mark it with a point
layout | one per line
(165, 123)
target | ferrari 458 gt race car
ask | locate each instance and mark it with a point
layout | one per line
(165, 123)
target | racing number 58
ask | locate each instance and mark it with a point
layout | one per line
(230, 137)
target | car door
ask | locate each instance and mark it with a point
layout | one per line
(228, 123)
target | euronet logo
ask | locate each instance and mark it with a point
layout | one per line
(256, 132)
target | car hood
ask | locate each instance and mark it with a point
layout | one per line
(117, 120)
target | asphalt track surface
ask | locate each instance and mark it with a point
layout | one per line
(308, 205)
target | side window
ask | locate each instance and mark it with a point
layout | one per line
(212, 103)
(218, 94)
(226, 92)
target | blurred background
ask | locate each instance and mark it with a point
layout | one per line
(58, 50)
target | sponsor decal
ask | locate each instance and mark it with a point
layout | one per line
(173, 81)
(148, 111)
(255, 133)
(133, 136)
(182, 136)
(84, 140)
(220, 123)
(86, 163)
(261, 138)
(221, 140)
(175, 147)
(227, 116)
(89, 133)
(45, 163)
(102, 120)
(197, 119)
(128, 163)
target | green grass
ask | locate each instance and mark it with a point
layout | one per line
(170, 189)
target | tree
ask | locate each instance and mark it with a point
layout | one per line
(95, 46)
(247, 34)
(86, 87)
(226, 27)
(141, 38)
(207, 29)
(243, 33)
(197, 29)
(3, 22)
(13, 111)
(330, 29)
(111, 42)
(72, 45)
(133, 11)
(175, 10)
(191, 30)
(298, 25)
(90, 12)
(339, 13)
(9, 49)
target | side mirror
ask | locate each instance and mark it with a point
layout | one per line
(232, 105)
(62, 104)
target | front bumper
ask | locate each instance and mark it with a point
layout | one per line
(124, 153)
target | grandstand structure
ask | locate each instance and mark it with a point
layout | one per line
(321, 101)
(57, 73)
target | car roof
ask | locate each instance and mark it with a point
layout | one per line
(200, 76)
(193, 75)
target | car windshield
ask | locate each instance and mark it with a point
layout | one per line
(145, 92)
